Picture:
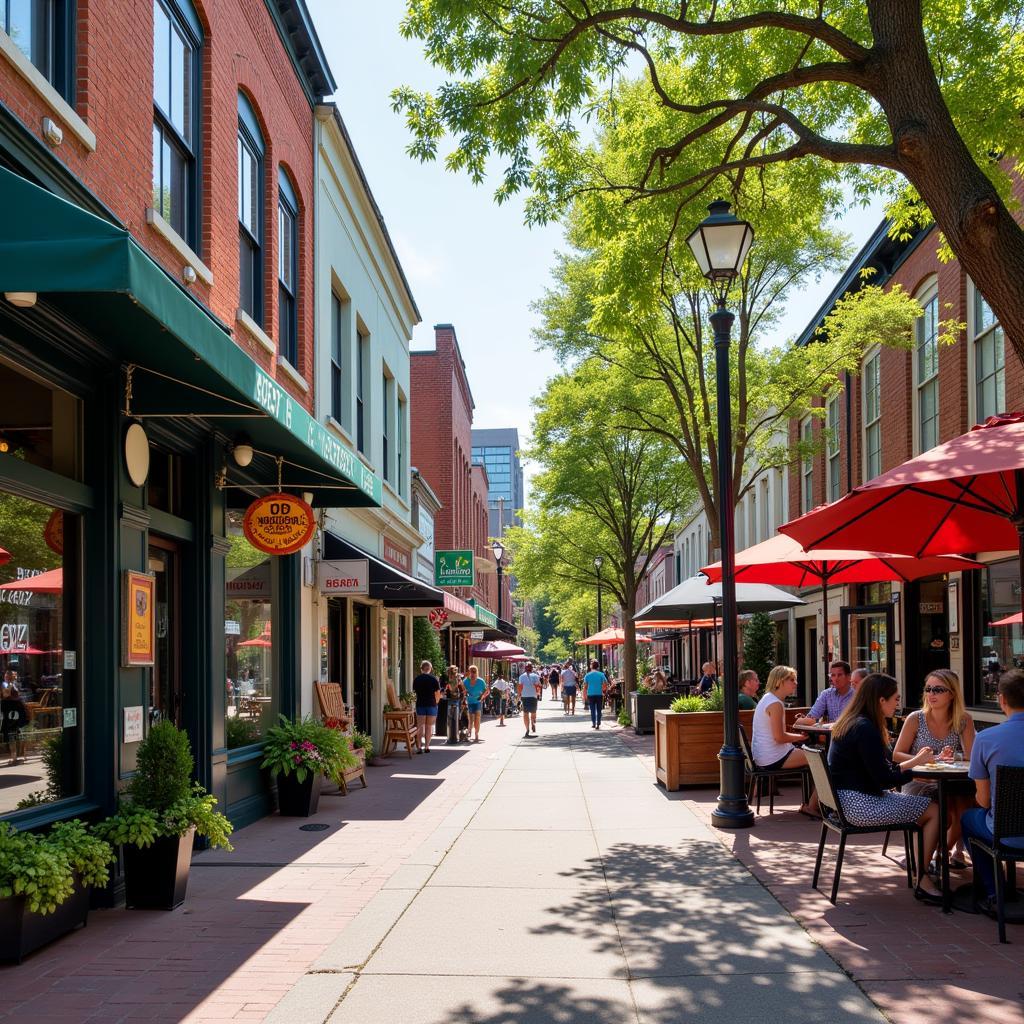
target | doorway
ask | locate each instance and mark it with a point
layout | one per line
(927, 634)
(165, 698)
(867, 637)
(361, 651)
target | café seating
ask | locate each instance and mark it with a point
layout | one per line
(332, 704)
(757, 777)
(1007, 822)
(833, 820)
(399, 726)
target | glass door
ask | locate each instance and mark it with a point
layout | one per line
(165, 679)
(361, 653)
(867, 637)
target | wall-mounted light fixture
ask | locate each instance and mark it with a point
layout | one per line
(242, 451)
(23, 300)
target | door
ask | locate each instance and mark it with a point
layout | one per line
(165, 678)
(361, 654)
(867, 637)
(927, 634)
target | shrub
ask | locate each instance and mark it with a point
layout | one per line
(306, 747)
(163, 768)
(759, 636)
(714, 701)
(624, 718)
(426, 646)
(361, 739)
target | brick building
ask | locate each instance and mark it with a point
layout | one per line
(442, 421)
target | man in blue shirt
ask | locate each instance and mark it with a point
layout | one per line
(1002, 744)
(595, 681)
(833, 699)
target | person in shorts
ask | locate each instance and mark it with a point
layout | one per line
(569, 689)
(475, 690)
(499, 694)
(529, 687)
(427, 688)
(553, 677)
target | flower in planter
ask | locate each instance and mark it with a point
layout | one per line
(306, 747)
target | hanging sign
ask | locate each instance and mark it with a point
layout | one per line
(396, 555)
(453, 568)
(344, 576)
(279, 524)
(138, 619)
(53, 532)
(437, 617)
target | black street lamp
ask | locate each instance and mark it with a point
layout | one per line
(598, 562)
(720, 244)
(499, 553)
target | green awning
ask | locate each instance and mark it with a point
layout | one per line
(484, 616)
(107, 283)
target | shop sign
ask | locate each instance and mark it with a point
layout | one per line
(279, 524)
(453, 569)
(132, 725)
(931, 608)
(249, 583)
(344, 576)
(399, 557)
(232, 627)
(53, 532)
(477, 634)
(138, 618)
(484, 615)
(437, 617)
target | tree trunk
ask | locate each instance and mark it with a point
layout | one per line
(629, 648)
(980, 230)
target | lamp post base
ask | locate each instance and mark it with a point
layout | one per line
(732, 810)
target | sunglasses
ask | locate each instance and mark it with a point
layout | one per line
(936, 689)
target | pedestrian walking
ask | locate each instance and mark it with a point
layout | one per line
(569, 679)
(553, 680)
(529, 687)
(454, 692)
(595, 681)
(499, 696)
(427, 688)
(475, 690)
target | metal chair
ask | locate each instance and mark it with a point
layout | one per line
(833, 819)
(757, 775)
(1007, 823)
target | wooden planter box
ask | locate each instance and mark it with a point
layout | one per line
(642, 707)
(356, 774)
(686, 745)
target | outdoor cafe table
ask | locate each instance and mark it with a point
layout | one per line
(945, 776)
(822, 732)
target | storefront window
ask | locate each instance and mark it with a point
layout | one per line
(252, 691)
(40, 717)
(1002, 644)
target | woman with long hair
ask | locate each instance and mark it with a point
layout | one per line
(943, 725)
(475, 690)
(864, 775)
(771, 744)
(454, 692)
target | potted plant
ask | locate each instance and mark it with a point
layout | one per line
(45, 882)
(300, 754)
(642, 705)
(157, 822)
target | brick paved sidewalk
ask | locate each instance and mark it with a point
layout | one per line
(917, 964)
(256, 919)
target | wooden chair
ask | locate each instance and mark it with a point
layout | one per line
(758, 776)
(833, 819)
(399, 726)
(332, 703)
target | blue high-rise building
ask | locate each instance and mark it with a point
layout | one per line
(497, 450)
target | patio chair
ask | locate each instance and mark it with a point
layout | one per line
(757, 776)
(1007, 823)
(399, 726)
(833, 820)
(332, 703)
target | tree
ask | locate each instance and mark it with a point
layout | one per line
(605, 489)
(426, 646)
(919, 103)
(759, 645)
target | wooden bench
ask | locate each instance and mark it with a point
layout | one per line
(332, 708)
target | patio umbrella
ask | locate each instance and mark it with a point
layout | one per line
(259, 641)
(696, 598)
(780, 559)
(494, 649)
(610, 637)
(21, 650)
(1011, 620)
(49, 582)
(5, 556)
(964, 495)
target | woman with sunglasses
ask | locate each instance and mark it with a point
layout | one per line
(943, 725)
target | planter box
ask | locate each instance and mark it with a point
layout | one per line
(642, 707)
(156, 877)
(22, 931)
(686, 745)
(356, 774)
(299, 799)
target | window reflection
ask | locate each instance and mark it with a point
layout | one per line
(1002, 641)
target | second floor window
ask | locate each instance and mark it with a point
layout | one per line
(872, 418)
(989, 359)
(400, 447)
(175, 118)
(927, 363)
(807, 468)
(386, 417)
(361, 347)
(40, 29)
(834, 468)
(336, 311)
(287, 271)
(250, 212)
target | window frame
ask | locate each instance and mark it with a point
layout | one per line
(401, 416)
(251, 138)
(361, 349)
(996, 332)
(337, 375)
(287, 295)
(385, 464)
(872, 424)
(61, 20)
(182, 16)
(807, 467)
(928, 297)
(833, 449)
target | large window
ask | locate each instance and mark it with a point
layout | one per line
(287, 270)
(926, 362)
(336, 376)
(400, 447)
(834, 466)
(807, 467)
(252, 691)
(989, 356)
(872, 417)
(176, 43)
(362, 355)
(386, 431)
(250, 212)
(1002, 643)
(41, 30)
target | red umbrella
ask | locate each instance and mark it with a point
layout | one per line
(5, 556)
(781, 560)
(258, 641)
(21, 650)
(964, 495)
(49, 582)
(1011, 620)
(610, 637)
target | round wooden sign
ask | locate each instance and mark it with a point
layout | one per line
(279, 524)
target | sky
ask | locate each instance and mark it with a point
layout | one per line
(469, 262)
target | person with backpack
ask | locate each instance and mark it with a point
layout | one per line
(595, 682)
(553, 681)
(529, 687)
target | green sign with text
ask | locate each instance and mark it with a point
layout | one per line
(453, 568)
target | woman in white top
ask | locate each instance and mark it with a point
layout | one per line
(529, 690)
(499, 693)
(770, 743)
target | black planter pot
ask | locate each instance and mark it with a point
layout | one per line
(22, 930)
(643, 706)
(299, 799)
(156, 877)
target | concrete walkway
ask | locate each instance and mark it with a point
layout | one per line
(565, 887)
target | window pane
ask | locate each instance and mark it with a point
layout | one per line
(30, 26)
(158, 189)
(285, 247)
(161, 57)
(248, 275)
(176, 172)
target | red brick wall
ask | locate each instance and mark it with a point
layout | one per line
(242, 50)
